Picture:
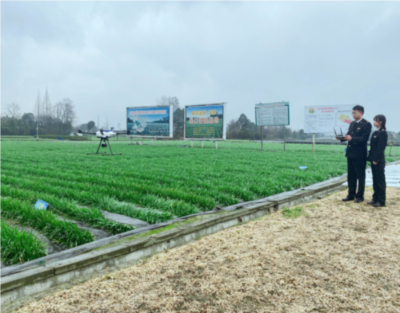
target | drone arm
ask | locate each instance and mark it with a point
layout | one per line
(80, 133)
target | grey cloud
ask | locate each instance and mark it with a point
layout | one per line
(106, 56)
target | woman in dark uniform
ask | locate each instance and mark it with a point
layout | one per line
(377, 158)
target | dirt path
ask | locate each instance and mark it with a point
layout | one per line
(336, 258)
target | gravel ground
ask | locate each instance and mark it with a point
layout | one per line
(336, 257)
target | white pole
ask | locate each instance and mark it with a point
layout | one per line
(216, 144)
(202, 144)
(313, 142)
(284, 138)
(192, 144)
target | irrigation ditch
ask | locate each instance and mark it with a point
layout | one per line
(34, 279)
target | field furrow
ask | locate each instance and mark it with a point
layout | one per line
(64, 233)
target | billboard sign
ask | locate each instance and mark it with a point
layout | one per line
(150, 121)
(272, 114)
(205, 121)
(324, 119)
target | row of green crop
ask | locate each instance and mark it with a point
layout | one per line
(102, 202)
(19, 246)
(202, 194)
(139, 187)
(92, 194)
(191, 191)
(93, 217)
(161, 178)
(64, 233)
(230, 172)
(263, 187)
(195, 191)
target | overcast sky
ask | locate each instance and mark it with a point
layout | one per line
(106, 56)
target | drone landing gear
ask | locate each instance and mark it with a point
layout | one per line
(106, 142)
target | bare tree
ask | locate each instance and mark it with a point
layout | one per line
(64, 110)
(69, 111)
(47, 107)
(38, 107)
(58, 110)
(233, 129)
(166, 101)
(13, 109)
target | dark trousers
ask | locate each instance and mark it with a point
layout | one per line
(379, 182)
(356, 171)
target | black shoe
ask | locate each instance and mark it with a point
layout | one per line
(359, 200)
(347, 199)
(372, 202)
(378, 204)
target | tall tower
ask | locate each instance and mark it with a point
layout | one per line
(37, 109)
(47, 108)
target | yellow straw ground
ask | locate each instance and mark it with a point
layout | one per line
(338, 257)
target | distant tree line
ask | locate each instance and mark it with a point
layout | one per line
(178, 117)
(89, 127)
(58, 119)
(243, 128)
(54, 119)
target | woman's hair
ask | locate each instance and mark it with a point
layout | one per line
(381, 118)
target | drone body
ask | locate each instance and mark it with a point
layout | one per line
(103, 135)
(100, 133)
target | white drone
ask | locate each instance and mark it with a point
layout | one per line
(100, 133)
(104, 135)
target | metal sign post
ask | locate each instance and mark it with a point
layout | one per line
(37, 130)
(313, 142)
(261, 134)
(272, 114)
(284, 138)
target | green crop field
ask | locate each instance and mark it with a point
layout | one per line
(153, 183)
(19, 246)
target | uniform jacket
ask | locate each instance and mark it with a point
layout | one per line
(357, 147)
(378, 144)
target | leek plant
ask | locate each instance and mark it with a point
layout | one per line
(19, 246)
(65, 234)
(93, 217)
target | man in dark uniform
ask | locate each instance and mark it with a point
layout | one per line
(356, 153)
